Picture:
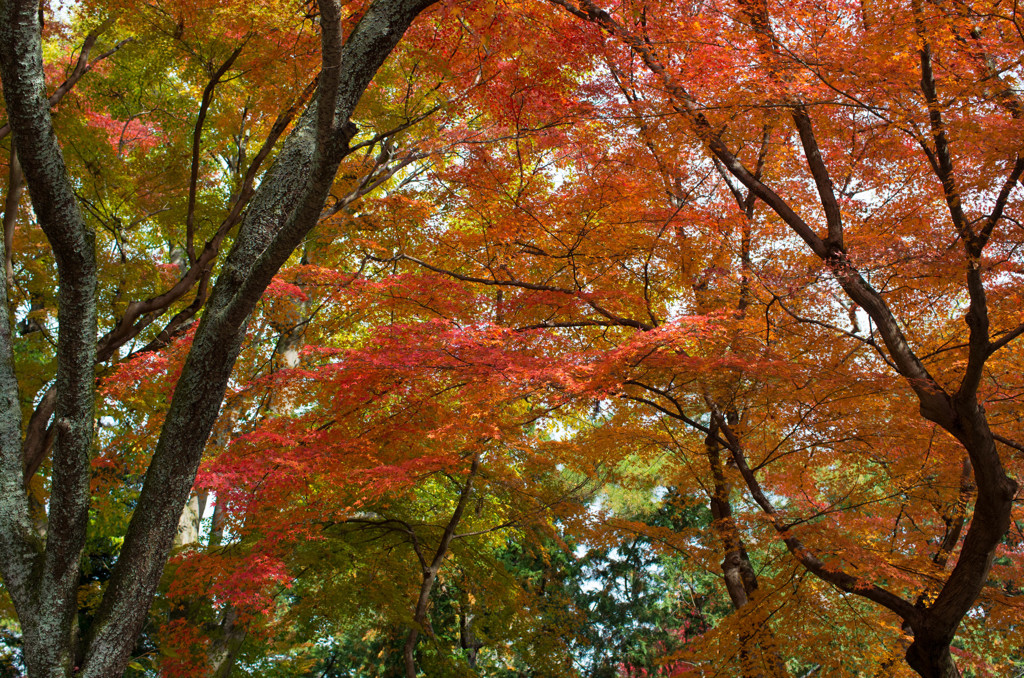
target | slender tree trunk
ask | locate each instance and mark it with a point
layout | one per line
(430, 572)
(15, 185)
(467, 638)
(226, 644)
(738, 574)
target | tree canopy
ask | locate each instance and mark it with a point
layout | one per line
(522, 338)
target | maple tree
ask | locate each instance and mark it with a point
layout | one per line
(587, 295)
(900, 235)
(897, 107)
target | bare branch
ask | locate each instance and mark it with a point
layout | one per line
(512, 282)
(1000, 204)
(822, 180)
(197, 136)
(1008, 442)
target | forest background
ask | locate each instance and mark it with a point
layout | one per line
(511, 338)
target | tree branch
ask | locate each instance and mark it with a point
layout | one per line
(822, 180)
(512, 282)
(827, 572)
(197, 136)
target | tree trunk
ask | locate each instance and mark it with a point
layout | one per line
(430, 571)
(932, 659)
(738, 574)
(226, 644)
(467, 638)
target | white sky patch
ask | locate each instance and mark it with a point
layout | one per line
(63, 10)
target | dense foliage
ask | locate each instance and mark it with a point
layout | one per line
(523, 338)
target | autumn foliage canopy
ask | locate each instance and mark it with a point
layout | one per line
(512, 337)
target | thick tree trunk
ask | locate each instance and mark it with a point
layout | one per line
(189, 523)
(934, 630)
(43, 581)
(932, 659)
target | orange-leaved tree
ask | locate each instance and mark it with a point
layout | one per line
(833, 186)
